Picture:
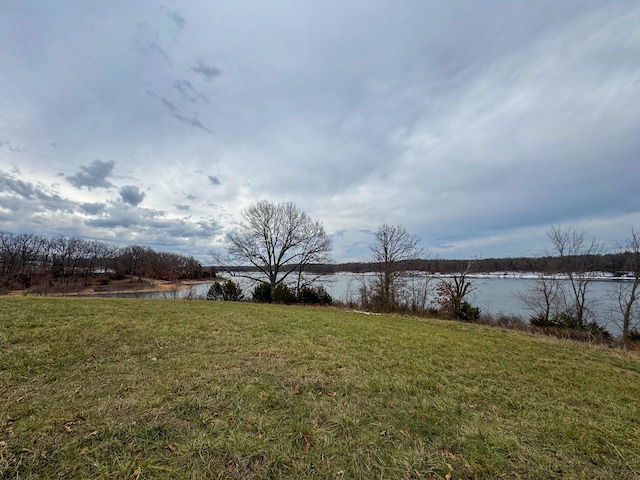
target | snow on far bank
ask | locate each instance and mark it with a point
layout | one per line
(599, 276)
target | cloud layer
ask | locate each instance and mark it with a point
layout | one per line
(476, 125)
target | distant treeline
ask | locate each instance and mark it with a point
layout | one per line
(616, 263)
(27, 260)
(613, 263)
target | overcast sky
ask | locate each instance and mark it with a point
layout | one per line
(475, 125)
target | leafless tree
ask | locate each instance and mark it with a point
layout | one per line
(453, 292)
(575, 250)
(28, 260)
(278, 240)
(315, 248)
(418, 293)
(628, 292)
(19, 255)
(392, 246)
(545, 298)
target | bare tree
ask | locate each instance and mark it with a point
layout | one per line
(392, 246)
(575, 252)
(18, 257)
(315, 249)
(545, 298)
(28, 260)
(453, 293)
(278, 240)
(628, 292)
(418, 293)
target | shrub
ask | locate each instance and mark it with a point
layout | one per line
(227, 290)
(540, 321)
(262, 293)
(280, 294)
(502, 320)
(283, 294)
(467, 312)
(634, 336)
(564, 325)
(314, 296)
(597, 332)
(558, 320)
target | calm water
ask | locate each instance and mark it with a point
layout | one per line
(492, 295)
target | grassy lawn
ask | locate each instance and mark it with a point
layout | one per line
(113, 388)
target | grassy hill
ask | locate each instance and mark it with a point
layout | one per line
(113, 388)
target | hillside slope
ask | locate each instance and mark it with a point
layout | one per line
(113, 388)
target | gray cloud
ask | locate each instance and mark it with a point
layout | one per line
(173, 110)
(12, 148)
(148, 42)
(193, 121)
(27, 201)
(207, 71)
(215, 180)
(28, 206)
(124, 219)
(152, 224)
(9, 184)
(92, 208)
(189, 92)
(35, 195)
(175, 16)
(93, 175)
(131, 195)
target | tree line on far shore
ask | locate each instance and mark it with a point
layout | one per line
(612, 263)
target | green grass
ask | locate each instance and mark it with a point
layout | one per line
(112, 388)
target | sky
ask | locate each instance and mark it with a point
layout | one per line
(474, 125)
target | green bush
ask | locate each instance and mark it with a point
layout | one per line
(634, 336)
(227, 290)
(280, 294)
(467, 312)
(309, 295)
(283, 294)
(597, 332)
(565, 325)
(558, 320)
(262, 293)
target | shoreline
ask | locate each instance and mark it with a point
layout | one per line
(595, 276)
(133, 288)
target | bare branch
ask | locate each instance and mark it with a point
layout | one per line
(628, 293)
(392, 246)
(278, 240)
